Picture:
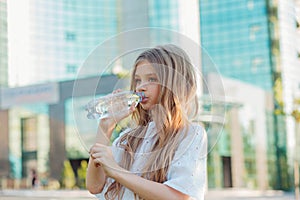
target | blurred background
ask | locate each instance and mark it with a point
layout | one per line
(254, 44)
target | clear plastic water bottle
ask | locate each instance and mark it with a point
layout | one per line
(112, 104)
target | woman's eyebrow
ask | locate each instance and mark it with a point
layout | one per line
(149, 74)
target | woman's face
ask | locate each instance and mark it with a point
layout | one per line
(146, 80)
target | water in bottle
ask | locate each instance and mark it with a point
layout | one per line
(111, 104)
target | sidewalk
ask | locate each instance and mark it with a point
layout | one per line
(227, 194)
(235, 194)
(46, 194)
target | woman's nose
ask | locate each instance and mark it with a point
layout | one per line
(141, 87)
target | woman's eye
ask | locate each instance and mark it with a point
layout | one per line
(152, 79)
(137, 81)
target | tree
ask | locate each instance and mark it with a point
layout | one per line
(81, 172)
(68, 180)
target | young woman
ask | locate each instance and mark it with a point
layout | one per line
(164, 156)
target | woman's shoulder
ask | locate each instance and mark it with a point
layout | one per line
(196, 126)
(194, 137)
(194, 130)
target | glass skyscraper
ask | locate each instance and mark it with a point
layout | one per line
(53, 38)
(254, 42)
(3, 44)
(236, 35)
(48, 42)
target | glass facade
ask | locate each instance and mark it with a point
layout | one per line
(290, 62)
(250, 41)
(28, 140)
(60, 35)
(57, 37)
(3, 44)
(235, 35)
(77, 123)
(50, 42)
(163, 14)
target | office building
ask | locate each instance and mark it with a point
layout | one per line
(3, 44)
(255, 42)
(49, 42)
(3, 83)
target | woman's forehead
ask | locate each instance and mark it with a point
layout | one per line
(145, 67)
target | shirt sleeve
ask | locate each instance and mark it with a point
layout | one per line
(187, 172)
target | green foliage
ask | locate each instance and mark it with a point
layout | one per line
(121, 126)
(296, 112)
(68, 180)
(296, 115)
(278, 95)
(76, 152)
(81, 172)
(123, 74)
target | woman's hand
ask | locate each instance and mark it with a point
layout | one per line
(117, 113)
(102, 157)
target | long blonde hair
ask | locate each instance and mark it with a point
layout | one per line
(177, 103)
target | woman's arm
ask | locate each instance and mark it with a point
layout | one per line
(188, 174)
(146, 189)
(95, 177)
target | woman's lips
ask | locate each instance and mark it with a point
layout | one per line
(145, 99)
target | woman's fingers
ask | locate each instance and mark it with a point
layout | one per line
(97, 155)
(117, 109)
(132, 107)
(98, 152)
(101, 155)
(97, 147)
(97, 162)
